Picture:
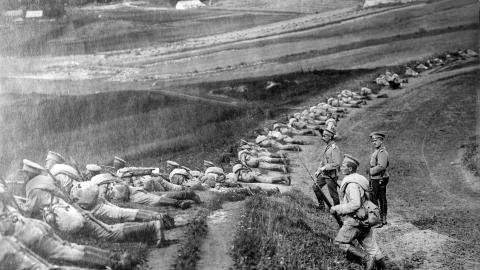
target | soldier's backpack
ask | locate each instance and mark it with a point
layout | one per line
(369, 213)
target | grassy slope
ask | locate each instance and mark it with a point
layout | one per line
(285, 232)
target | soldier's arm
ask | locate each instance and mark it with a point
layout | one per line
(382, 159)
(353, 192)
(336, 159)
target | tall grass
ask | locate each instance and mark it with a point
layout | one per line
(282, 233)
(95, 128)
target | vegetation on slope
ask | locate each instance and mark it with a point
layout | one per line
(285, 232)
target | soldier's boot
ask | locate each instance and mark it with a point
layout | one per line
(380, 263)
(123, 261)
(160, 236)
(366, 259)
(316, 190)
(185, 204)
(287, 180)
(104, 258)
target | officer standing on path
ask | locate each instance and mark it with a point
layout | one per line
(327, 174)
(378, 173)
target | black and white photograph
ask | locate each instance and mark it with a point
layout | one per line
(239, 135)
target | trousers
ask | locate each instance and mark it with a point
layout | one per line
(379, 194)
(332, 187)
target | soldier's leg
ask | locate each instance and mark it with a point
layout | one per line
(317, 189)
(291, 147)
(273, 167)
(344, 239)
(383, 200)
(108, 211)
(138, 231)
(271, 159)
(152, 199)
(183, 195)
(375, 194)
(367, 240)
(284, 179)
(332, 189)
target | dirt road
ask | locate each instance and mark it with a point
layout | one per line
(434, 210)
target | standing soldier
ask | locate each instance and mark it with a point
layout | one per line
(379, 174)
(327, 174)
(353, 189)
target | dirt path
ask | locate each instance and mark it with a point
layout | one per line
(221, 227)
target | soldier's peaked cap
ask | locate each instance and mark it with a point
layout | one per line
(119, 160)
(173, 163)
(328, 131)
(351, 160)
(207, 163)
(55, 156)
(93, 167)
(260, 139)
(378, 134)
(30, 166)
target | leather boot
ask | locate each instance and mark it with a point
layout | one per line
(368, 261)
(380, 263)
(185, 204)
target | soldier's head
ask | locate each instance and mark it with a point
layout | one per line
(207, 164)
(377, 138)
(92, 170)
(31, 169)
(119, 163)
(327, 135)
(349, 165)
(172, 165)
(53, 158)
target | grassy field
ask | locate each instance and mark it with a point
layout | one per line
(285, 232)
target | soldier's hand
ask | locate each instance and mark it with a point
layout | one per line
(317, 173)
(333, 211)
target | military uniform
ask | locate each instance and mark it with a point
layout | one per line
(263, 141)
(330, 161)
(41, 192)
(125, 193)
(40, 238)
(248, 160)
(379, 178)
(248, 176)
(353, 189)
(16, 256)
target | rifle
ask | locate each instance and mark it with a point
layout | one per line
(323, 197)
(64, 195)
